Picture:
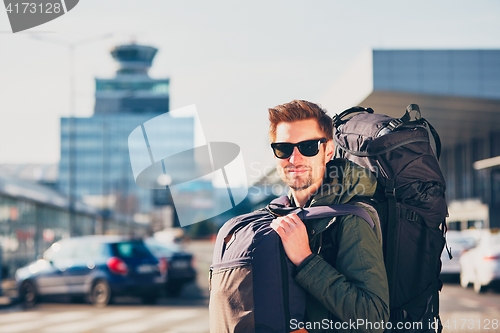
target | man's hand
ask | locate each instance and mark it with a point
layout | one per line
(293, 234)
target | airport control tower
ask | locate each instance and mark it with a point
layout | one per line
(132, 90)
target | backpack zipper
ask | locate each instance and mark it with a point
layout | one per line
(320, 242)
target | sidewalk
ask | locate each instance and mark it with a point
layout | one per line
(8, 293)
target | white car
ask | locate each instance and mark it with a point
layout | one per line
(457, 243)
(481, 265)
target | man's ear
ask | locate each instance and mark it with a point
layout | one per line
(330, 150)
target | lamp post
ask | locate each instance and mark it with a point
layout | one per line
(71, 46)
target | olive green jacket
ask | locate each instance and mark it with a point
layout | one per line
(347, 291)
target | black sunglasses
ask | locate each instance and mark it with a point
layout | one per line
(307, 148)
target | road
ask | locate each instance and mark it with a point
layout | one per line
(69, 318)
(461, 310)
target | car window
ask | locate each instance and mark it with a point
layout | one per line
(131, 249)
(59, 251)
(160, 251)
(86, 250)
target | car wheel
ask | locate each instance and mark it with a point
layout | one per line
(174, 289)
(28, 294)
(100, 294)
(463, 281)
(478, 288)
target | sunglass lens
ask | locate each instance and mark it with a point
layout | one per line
(309, 148)
(283, 150)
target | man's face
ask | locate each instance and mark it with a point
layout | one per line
(298, 171)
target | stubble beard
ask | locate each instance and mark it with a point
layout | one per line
(298, 182)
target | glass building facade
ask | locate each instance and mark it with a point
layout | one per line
(464, 73)
(466, 183)
(101, 159)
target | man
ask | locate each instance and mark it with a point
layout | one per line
(340, 264)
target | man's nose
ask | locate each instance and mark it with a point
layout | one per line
(296, 155)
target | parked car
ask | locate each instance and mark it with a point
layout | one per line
(96, 267)
(457, 243)
(481, 264)
(180, 267)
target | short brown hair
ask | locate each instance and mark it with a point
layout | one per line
(299, 110)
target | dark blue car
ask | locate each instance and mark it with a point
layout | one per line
(97, 267)
(180, 268)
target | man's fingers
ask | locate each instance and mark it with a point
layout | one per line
(292, 232)
(290, 221)
(278, 227)
(274, 225)
(294, 218)
(283, 225)
(286, 224)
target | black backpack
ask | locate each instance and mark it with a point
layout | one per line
(410, 201)
(252, 289)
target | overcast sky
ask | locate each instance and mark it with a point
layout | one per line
(233, 59)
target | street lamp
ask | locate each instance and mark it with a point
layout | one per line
(71, 46)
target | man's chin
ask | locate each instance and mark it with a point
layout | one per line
(298, 186)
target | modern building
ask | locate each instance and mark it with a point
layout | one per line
(43, 174)
(32, 217)
(95, 163)
(458, 92)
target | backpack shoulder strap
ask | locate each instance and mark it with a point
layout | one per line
(336, 210)
(281, 206)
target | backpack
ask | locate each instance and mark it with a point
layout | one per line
(252, 286)
(410, 201)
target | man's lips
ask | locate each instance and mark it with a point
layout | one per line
(296, 170)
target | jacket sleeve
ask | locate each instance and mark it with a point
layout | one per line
(357, 288)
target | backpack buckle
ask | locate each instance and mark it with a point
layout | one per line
(395, 123)
(412, 216)
(389, 192)
(409, 215)
(390, 189)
